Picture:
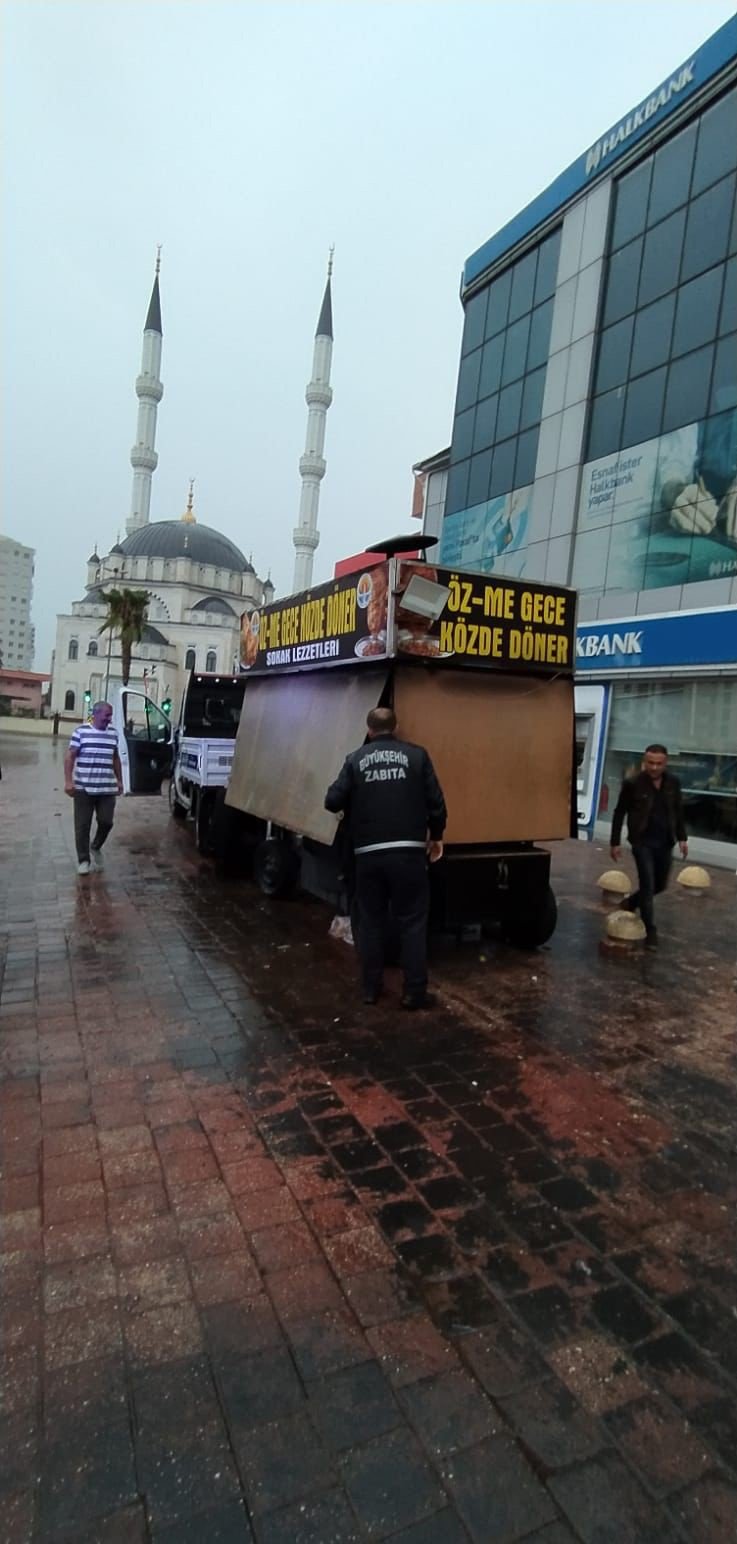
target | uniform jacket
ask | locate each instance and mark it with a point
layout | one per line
(635, 801)
(390, 795)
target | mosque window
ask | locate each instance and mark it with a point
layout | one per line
(211, 663)
(73, 649)
(69, 702)
(92, 648)
(190, 659)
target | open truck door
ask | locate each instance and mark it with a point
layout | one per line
(145, 741)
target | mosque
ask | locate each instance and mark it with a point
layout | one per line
(199, 583)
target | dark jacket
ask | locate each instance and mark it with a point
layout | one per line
(389, 793)
(636, 800)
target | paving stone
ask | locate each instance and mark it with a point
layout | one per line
(283, 1462)
(442, 1528)
(326, 1519)
(164, 1333)
(410, 1348)
(353, 1405)
(326, 1341)
(707, 1511)
(124, 1526)
(241, 1328)
(659, 1443)
(623, 1313)
(552, 1425)
(496, 1492)
(84, 1480)
(287, 1244)
(605, 1505)
(175, 1394)
(185, 1470)
(449, 1412)
(260, 1388)
(376, 1296)
(390, 1483)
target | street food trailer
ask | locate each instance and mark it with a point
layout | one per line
(478, 668)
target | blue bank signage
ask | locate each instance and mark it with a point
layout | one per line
(694, 639)
(708, 61)
(651, 108)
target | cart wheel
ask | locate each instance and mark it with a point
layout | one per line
(275, 867)
(175, 808)
(204, 824)
(530, 929)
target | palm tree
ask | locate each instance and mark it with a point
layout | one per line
(126, 616)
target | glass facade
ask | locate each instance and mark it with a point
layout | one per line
(697, 720)
(595, 429)
(612, 467)
(659, 484)
(501, 381)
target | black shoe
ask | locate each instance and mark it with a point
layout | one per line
(413, 1001)
(371, 998)
(651, 938)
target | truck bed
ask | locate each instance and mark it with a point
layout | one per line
(206, 763)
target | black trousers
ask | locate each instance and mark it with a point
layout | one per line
(653, 868)
(85, 806)
(393, 883)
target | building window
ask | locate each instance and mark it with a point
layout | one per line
(211, 663)
(190, 659)
(660, 476)
(698, 720)
(501, 381)
(69, 702)
(73, 649)
(92, 648)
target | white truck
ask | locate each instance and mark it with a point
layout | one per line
(196, 754)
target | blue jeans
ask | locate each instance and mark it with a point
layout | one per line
(653, 868)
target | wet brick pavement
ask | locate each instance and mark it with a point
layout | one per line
(279, 1268)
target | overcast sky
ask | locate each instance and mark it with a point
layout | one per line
(246, 138)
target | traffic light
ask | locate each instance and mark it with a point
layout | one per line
(87, 704)
(166, 705)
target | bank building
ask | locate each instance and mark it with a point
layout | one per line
(594, 439)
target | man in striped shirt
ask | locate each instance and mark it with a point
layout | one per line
(92, 778)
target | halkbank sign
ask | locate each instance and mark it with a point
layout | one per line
(642, 115)
(709, 61)
(683, 640)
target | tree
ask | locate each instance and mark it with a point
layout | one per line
(126, 616)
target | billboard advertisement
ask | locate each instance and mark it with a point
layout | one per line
(344, 619)
(479, 537)
(671, 504)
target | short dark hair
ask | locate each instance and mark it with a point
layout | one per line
(660, 750)
(382, 720)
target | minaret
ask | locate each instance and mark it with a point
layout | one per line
(149, 391)
(318, 396)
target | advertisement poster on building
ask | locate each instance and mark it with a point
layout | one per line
(481, 537)
(671, 503)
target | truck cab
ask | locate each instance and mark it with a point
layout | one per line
(204, 744)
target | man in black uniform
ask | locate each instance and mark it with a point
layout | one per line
(395, 812)
(654, 809)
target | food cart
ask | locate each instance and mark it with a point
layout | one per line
(478, 668)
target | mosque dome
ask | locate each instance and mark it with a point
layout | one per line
(186, 539)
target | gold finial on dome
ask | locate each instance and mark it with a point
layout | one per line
(189, 516)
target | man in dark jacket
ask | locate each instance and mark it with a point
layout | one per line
(654, 809)
(395, 812)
